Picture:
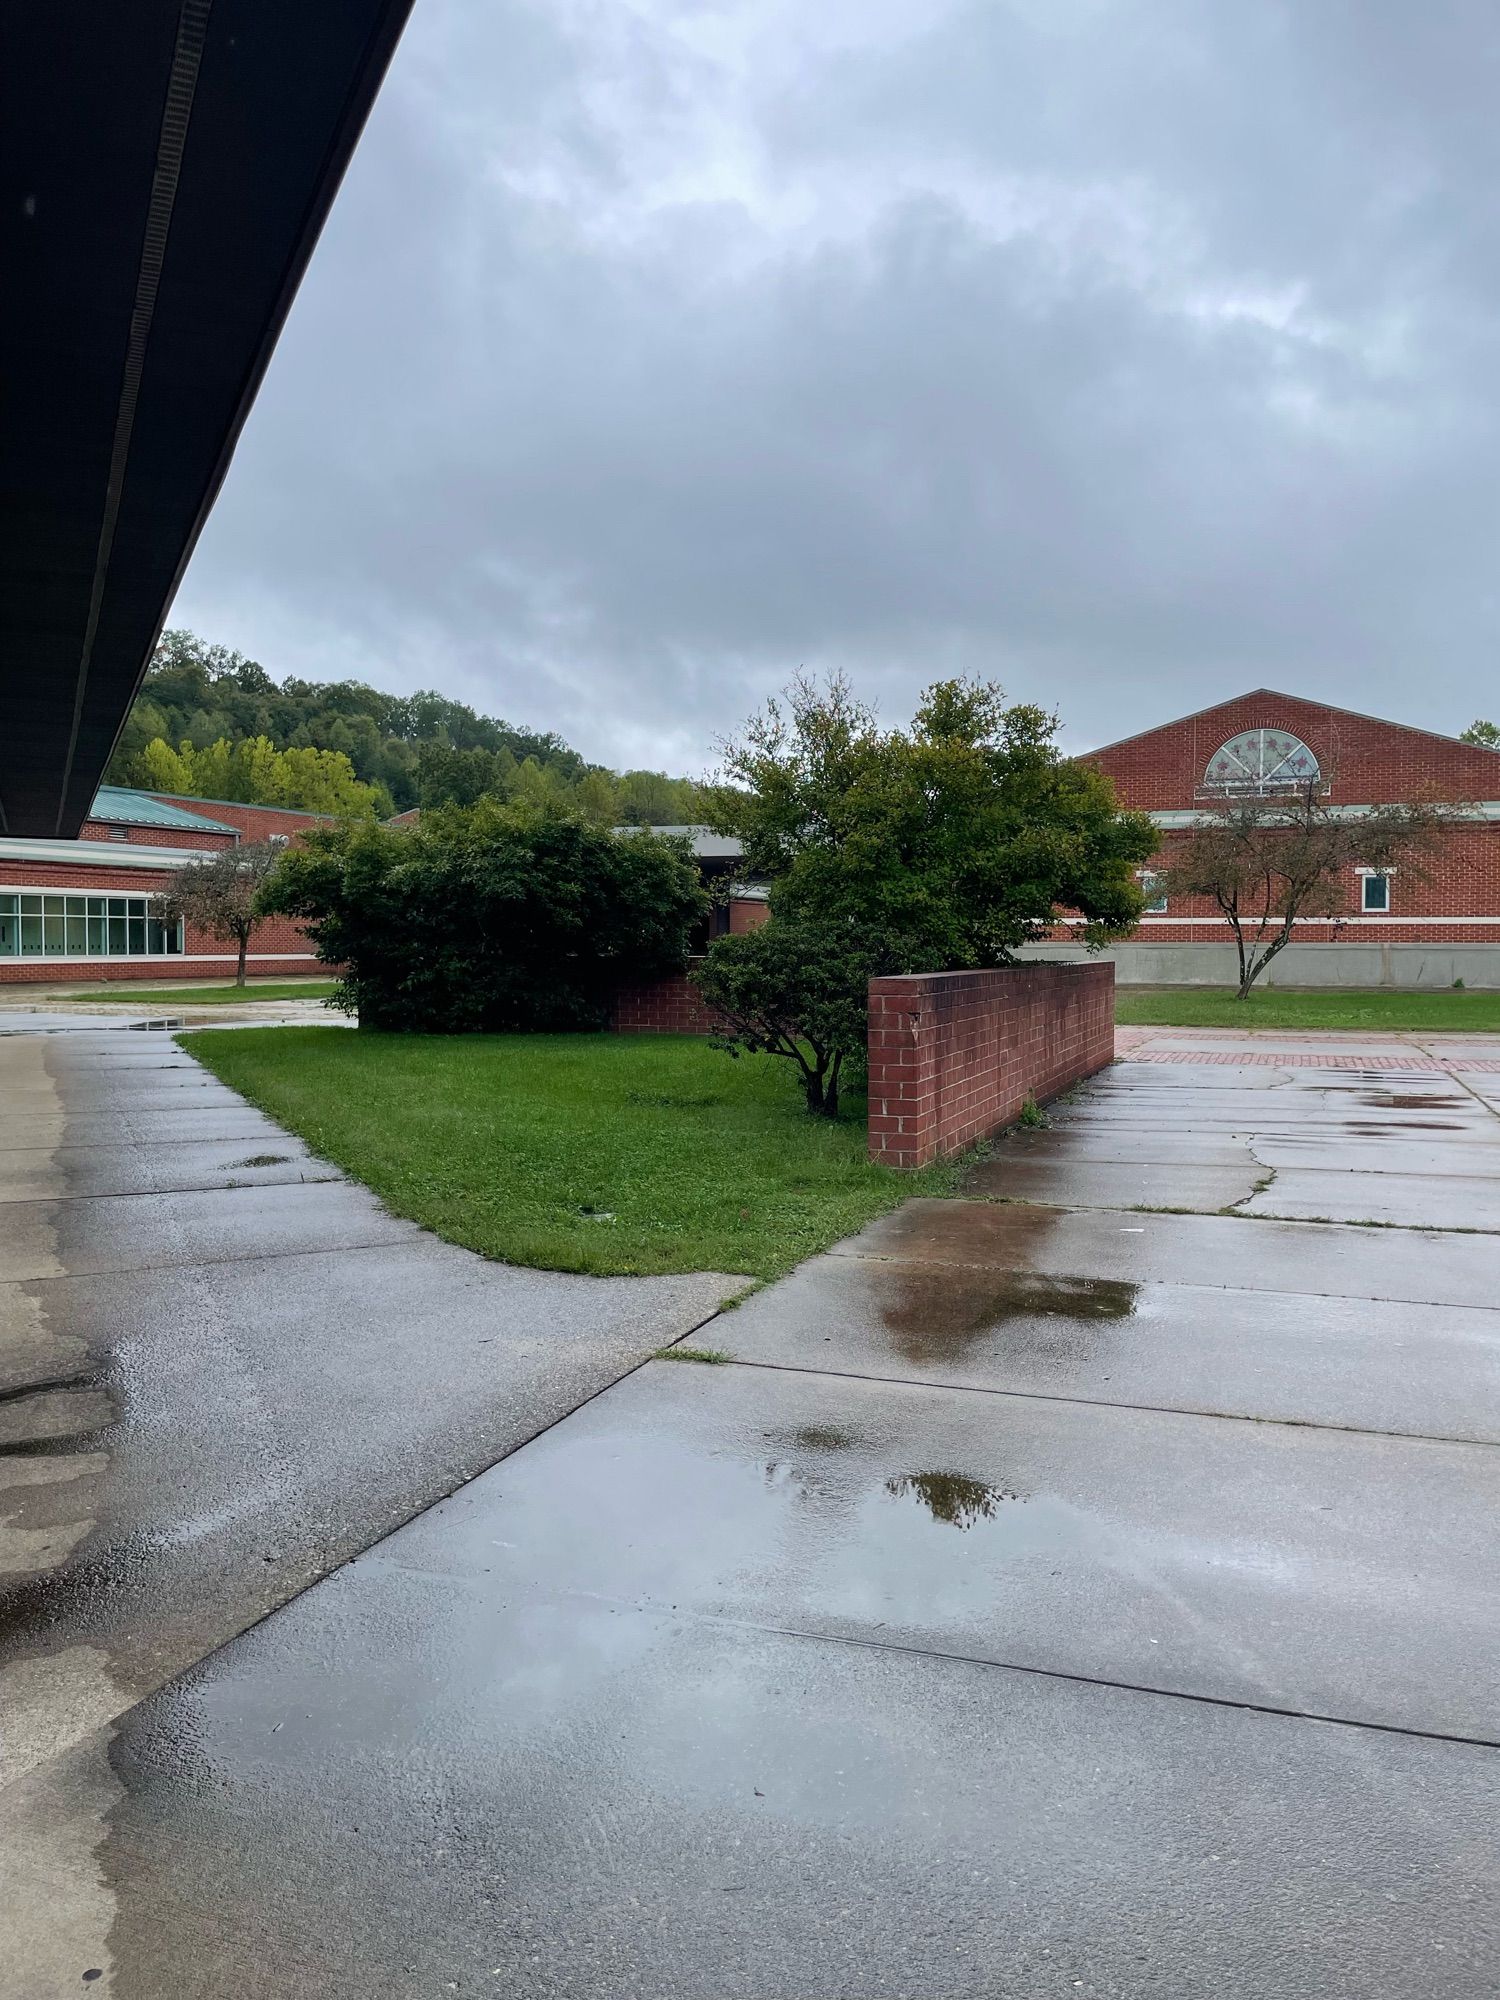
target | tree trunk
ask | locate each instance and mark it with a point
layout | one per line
(239, 977)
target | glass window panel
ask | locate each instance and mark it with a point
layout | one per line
(174, 937)
(31, 906)
(117, 936)
(10, 927)
(77, 928)
(137, 945)
(52, 932)
(96, 907)
(53, 906)
(31, 930)
(1377, 893)
(117, 906)
(98, 936)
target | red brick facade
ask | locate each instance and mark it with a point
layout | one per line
(279, 946)
(1362, 762)
(673, 1006)
(152, 836)
(953, 1056)
(252, 822)
(745, 915)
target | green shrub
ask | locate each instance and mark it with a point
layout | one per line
(799, 990)
(499, 916)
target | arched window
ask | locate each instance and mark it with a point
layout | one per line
(1261, 760)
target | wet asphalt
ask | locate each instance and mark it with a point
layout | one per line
(1087, 1586)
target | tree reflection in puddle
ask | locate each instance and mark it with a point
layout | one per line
(951, 1497)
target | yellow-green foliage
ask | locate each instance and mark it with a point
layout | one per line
(255, 772)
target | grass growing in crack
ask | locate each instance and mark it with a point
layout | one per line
(1031, 1117)
(517, 1145)
(710, 1357)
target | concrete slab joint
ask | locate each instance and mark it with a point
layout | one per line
(953, 1056)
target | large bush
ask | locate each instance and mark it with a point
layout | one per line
(494, 916)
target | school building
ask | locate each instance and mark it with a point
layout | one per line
(82, 909)
(1398, 927)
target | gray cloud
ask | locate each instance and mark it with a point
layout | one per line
(1131, 351)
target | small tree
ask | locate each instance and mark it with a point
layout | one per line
(1265, 862)
(1485, 734)
(220, 895)
(798, 990)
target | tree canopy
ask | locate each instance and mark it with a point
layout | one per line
(942, 847)
(956, 841)
(254, 772)
(420, 749)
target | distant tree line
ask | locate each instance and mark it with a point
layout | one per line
(209, 723)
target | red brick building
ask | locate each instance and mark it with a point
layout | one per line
(81, 909)
(1396, 928)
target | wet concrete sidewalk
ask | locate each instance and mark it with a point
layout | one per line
(1087, 1587)
(224, 1369)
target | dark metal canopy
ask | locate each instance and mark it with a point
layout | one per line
(165, 167)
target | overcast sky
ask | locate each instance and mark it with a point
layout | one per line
(1132, 352)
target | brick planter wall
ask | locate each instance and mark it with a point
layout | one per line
(671, 1006)
(954, 1055)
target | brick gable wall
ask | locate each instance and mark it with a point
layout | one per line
(1364, 761)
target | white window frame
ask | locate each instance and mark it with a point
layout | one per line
(1366, 877)
(1151, 888)
(77, 927)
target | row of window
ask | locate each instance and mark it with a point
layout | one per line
(1374, 894)
(40, 926)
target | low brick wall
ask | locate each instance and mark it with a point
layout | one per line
(670, 1006)
(954, 1055)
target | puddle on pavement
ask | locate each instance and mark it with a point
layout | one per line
(951, 1497)
(1374, 1129)
(823, 1437)
(1410, 1100)
(939, 1314)
(161, 1027)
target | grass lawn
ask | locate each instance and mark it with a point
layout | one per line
(210, 996)
(609, 1154)
(1280, 1007)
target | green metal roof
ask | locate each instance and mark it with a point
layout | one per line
(124, 808)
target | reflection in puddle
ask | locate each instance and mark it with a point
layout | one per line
(1370, 1130)
(1391, 1100)
(156, 1027)
(951, 1497)
(936, 1315)
(823, 1437)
